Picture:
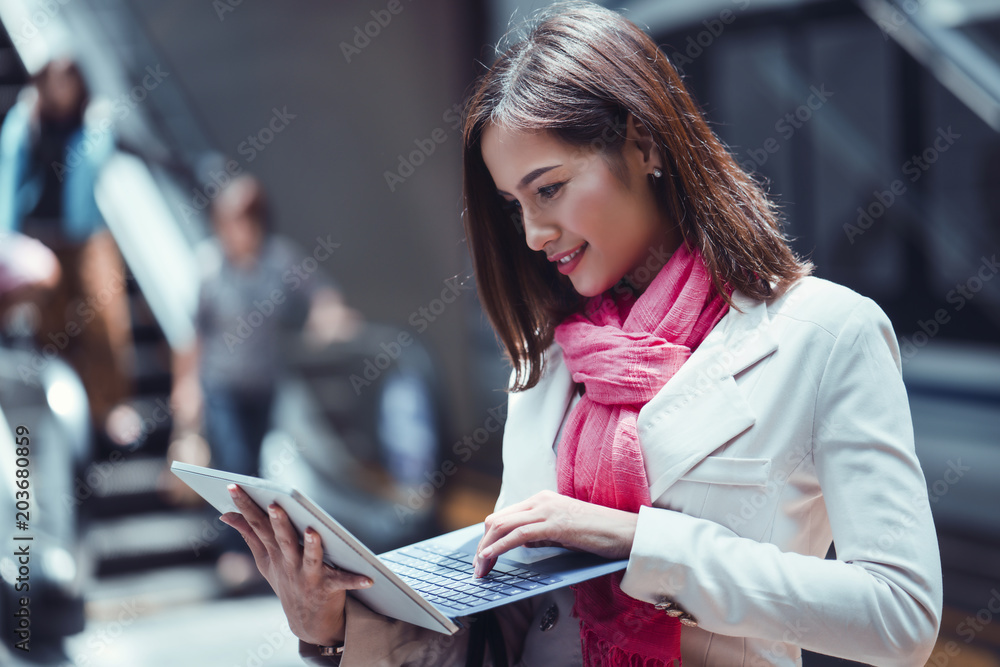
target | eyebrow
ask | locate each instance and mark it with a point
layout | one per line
(530, 176)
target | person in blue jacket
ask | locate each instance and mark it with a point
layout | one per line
(51, 153)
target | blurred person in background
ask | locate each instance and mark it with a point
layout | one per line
(250, 295)
(684, 394)
(51, 151)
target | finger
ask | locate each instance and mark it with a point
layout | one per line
(348, 581)
(518, 537)
(312, 556)
(236, 520)
(315, 569)
(256, 518)
(500, 526)
(483, 567)
(522, 506)
(285, 536)
(491, 520)
(342, 580)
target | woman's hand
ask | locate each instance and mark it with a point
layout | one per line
(311, 592)
(550, 519)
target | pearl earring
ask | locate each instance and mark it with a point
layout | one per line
(657, 172)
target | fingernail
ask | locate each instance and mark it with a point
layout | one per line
(485, 555)
(366, 583)
(273, 512)
(223, 519)
(232, 489)
(310, 538)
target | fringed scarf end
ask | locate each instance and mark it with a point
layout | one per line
(600, 653)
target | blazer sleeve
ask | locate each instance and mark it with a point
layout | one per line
(880, 601)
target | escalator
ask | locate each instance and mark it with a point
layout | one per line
(135, 546)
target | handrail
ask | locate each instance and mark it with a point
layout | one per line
(958, 63)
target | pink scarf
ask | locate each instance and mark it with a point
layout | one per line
(623, 355)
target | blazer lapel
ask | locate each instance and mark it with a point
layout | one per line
(701, 407)
(529, 439)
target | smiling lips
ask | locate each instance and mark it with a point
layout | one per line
(566, 262)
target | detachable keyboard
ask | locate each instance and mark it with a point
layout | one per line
(445, 578)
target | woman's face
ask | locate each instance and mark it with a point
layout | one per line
(60, 90)
(595, 228)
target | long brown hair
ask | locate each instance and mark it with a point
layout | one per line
(579, 73)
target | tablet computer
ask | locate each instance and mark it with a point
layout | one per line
(428, 583)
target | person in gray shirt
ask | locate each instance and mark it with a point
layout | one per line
(256, 285)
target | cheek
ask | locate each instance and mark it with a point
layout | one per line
(596, 210)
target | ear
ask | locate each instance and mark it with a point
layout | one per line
(640, 145)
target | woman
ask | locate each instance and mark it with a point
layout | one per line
(717, 420)
(53, 144)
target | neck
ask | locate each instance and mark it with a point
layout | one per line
(639, 278)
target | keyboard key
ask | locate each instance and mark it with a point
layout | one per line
(526, 584)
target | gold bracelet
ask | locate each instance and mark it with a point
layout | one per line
(336, 649)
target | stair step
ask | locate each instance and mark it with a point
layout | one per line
(125, 477)
(121, 486)
(151, 540)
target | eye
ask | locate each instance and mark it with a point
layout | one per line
(549, 191)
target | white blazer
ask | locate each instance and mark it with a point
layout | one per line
(787, 428)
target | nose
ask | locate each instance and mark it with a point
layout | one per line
(539, 230)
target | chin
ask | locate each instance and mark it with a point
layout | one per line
(588, 288)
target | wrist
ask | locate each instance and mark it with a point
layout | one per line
(619, 532)
(321, 654)
(626, 535)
